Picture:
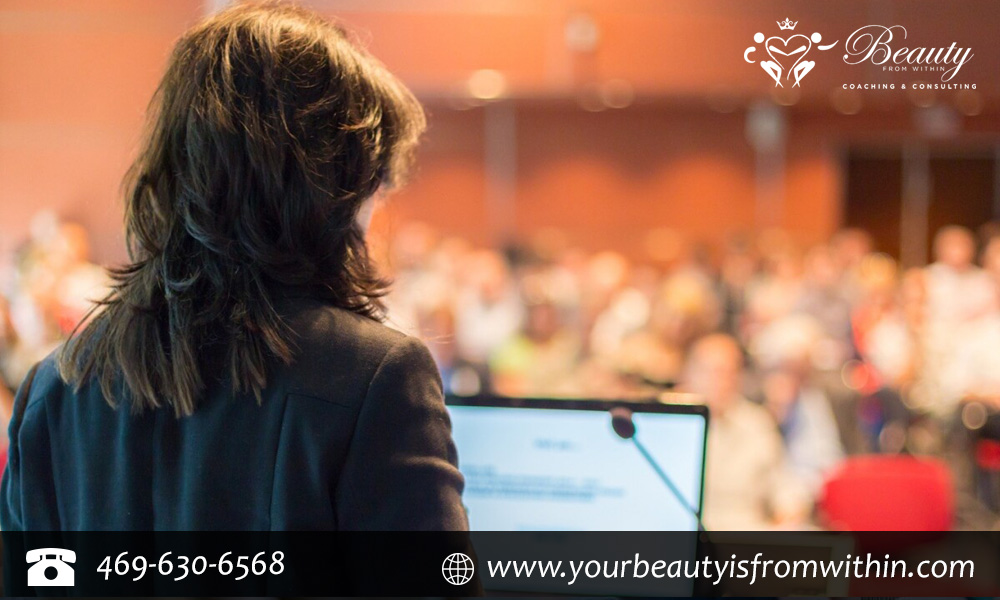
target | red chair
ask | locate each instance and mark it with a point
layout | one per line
(889, 493)
(892, 493)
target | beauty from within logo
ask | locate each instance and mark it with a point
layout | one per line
(787, 55)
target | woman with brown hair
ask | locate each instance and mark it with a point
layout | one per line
(238, 375)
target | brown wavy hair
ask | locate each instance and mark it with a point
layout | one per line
(269, 130)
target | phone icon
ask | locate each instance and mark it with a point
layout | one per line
(50, 568)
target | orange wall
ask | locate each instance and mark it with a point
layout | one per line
(613, 176)
(609, 178)
(76, 76)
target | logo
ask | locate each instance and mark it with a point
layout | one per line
(787, 54)
(50, 568)
(458, 569)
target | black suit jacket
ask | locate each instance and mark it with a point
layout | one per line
(353, 436)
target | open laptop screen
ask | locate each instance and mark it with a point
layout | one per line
(556, 465)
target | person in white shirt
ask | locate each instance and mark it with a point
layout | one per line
(960, 296)
(748, 484)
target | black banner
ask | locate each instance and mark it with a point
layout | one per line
(538, 563)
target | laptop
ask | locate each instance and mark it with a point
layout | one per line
(535, 464)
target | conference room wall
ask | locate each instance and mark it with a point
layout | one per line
(608, 179)
(75, 78)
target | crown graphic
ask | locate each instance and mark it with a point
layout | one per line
(787, 24)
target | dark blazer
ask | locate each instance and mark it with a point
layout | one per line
(353, 436)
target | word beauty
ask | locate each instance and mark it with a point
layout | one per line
(872, 43)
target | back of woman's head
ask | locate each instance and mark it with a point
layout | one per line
(267, 133)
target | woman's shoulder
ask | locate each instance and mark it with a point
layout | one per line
(336, 344)
(42, 382)
(321, 326)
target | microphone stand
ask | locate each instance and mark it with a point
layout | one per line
(624, 426)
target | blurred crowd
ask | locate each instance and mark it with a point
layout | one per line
(804, 355)
(47, 286)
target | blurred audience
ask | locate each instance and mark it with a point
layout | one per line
(844, 352)
(52, 288)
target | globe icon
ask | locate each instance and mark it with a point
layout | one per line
(458, 569)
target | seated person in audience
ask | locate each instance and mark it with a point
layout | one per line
(788, 355)
(748, 484)
(736, 273)
(851, 246)
(77, 282)
(977, 363)
(683, 310)
(885, 322)
(776, 290)
(959, 296)
(459, 376)
(541, 359)
(488, 309)
(806, 422)
(822, 297)
(54, 287)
